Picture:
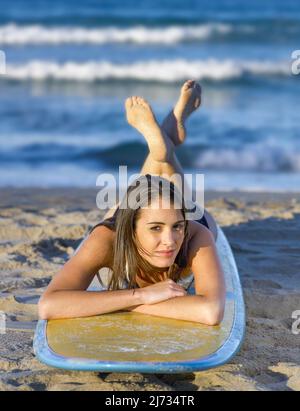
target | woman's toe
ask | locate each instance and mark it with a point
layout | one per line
(128, 102)
(186, 85)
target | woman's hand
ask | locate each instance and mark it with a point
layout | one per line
(161, 291)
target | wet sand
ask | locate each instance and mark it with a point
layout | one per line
(40, 229)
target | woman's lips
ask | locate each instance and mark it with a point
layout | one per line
(165, 253)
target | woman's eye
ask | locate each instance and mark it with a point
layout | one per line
(155, 228)
(178, 227)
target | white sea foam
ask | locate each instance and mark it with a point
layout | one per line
(13, 34)
(154, 70)
(267, 156)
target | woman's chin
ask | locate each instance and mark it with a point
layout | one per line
(162, 262)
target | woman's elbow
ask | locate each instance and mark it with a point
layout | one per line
(214, 314)
(215, 318)
(43, 309)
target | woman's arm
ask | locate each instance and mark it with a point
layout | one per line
(189, 308)
(207, 306)
(66, 295)
(72, 304)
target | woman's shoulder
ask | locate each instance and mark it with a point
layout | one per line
(194, 228)
(103, 234)
(102, 238)
(199, 236)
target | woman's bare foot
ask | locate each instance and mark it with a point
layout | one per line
(140, 116)
(189, 100)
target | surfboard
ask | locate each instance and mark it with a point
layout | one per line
(135, 342)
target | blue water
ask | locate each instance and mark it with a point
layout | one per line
(71, 64)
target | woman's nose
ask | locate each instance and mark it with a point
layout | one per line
(168, 238)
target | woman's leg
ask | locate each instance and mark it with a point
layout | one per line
(166, 165)
(170, 169)
(174, 132)
(162, 141)
(172, 166)
(140, 116)
(189, 100)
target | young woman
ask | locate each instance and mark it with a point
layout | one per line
(150, 247)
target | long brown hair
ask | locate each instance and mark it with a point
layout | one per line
(127, 261)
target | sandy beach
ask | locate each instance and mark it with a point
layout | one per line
(39, 230)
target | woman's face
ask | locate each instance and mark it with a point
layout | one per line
(160, 231)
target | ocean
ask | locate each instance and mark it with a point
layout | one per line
(70, 65)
